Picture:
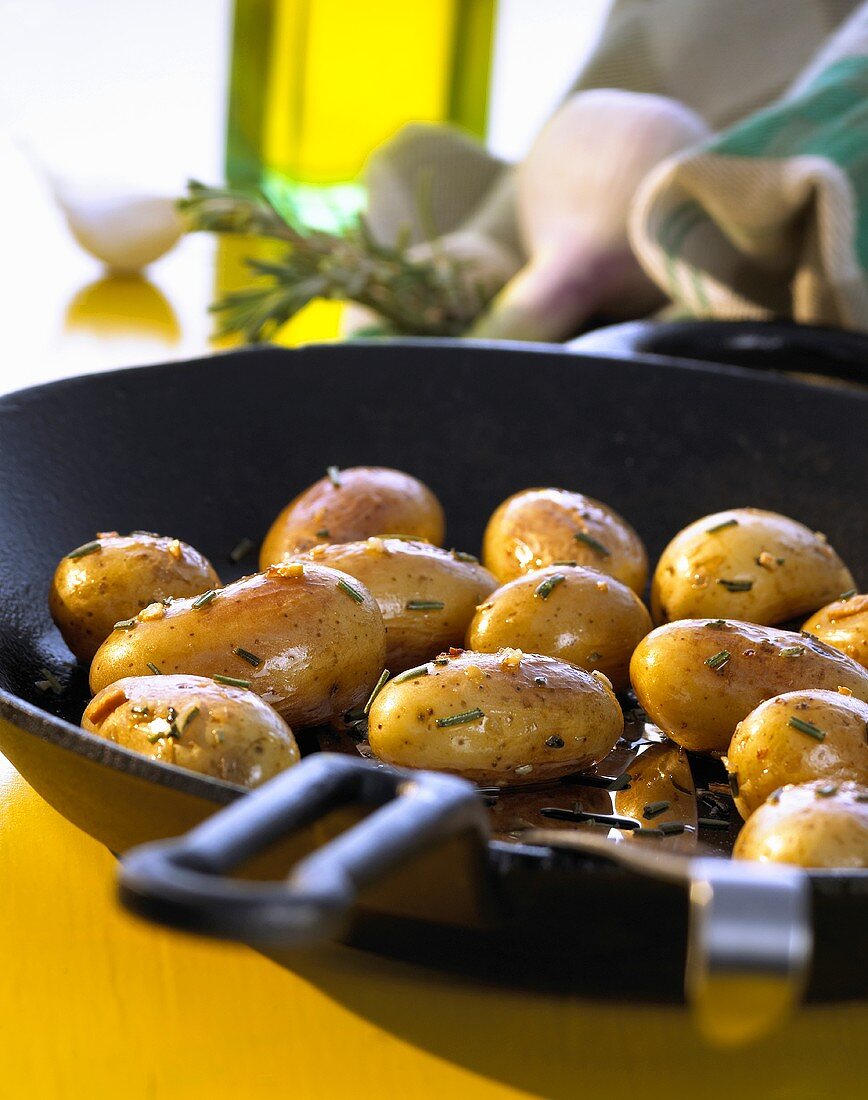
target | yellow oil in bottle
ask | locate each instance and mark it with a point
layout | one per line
(317, 85)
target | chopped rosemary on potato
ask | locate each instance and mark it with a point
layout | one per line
(334, 475)
(411, 674)
(87, 548)
(126, 624)
(544, 590)
(460, 719)
(424, 605)
(247, 656)
(595, 545)
(718, 660)
(230, 681)
(806, 727)
(791, 651)
(736, 585)
(378, 687)
(154, 668)
(848, 595)
(722, 526)
(204, 599)
(353, 593)
(191, 714)
(653, 809)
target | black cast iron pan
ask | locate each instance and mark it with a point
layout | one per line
(210, 450)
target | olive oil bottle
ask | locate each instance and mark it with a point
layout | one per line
(317, 85)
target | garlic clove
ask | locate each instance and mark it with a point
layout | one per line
(574, 192)
(125, 230)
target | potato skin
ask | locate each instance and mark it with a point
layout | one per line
(538, 527)
(370, 500)
(90, 594)
(397, 572)
(699, 706)
(817, 825)
(766, 752)
(321, 650)
(844, 625)
(790, 568)
(225, 732)
(587, 618)
(508, 745)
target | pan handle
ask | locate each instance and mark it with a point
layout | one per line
(756, 345)
(750, 939)
(749, 947)
(186, 883)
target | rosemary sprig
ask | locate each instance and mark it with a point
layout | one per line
(429, 297)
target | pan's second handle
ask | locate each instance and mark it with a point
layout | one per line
(187, 883)
(756, 345)
(750, 946)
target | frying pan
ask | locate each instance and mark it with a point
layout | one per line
(210, 450)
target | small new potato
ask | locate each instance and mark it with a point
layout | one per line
(539, 527)
(114, 577)
(818, 825)
(698, 678)
(306, 638)
(427, 595)
(795, 738)
(354, 504)
(225, 732)
(498, 719)
(746, 564)
(844, 625)
(576, 614)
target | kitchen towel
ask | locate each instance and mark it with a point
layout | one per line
(769, 217)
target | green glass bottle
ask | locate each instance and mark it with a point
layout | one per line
(316, 85)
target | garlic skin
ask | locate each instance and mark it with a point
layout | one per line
(574, 192)
(125, 230)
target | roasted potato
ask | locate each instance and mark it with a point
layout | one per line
(820, 825)
(698, 678)
(498, 719)
(349, 505)
(795, 738)
(114, 577)
(427, 595)
(539, 527)
(576, 614)
(308, 639)
(844, 625)
(196, 723)
(746, 564)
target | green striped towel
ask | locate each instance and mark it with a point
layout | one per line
(770, 217)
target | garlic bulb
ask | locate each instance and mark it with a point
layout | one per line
(126, 230)
(574, 190)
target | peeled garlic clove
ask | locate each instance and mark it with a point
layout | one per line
(127, 231)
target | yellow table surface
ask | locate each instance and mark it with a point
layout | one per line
(97, 1004)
